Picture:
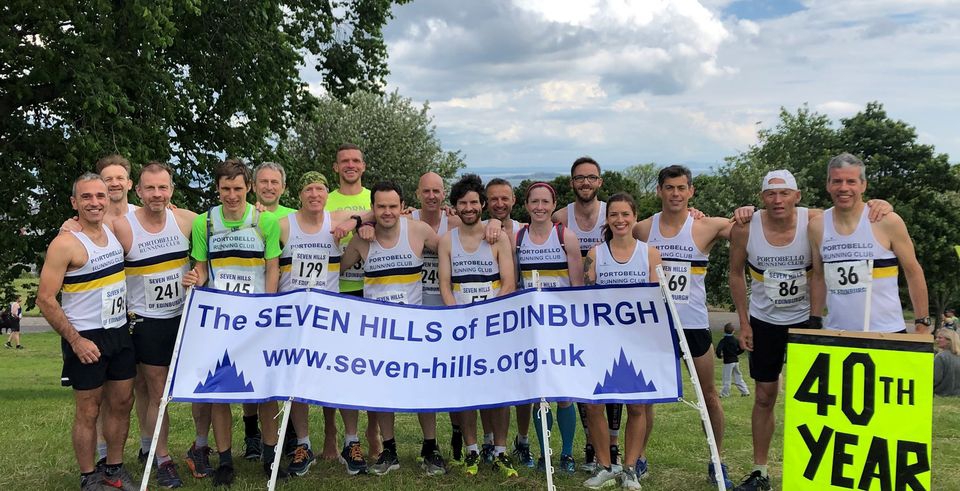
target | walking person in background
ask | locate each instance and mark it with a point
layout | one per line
(16, 312)
(946, 364)
(729, 350)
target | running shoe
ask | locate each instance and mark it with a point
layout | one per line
(754, 482)
(352, 457)
(142, 456)
(602, 477)
(629, 479)
(386, 462)
(167, 476)
(712, 475)
(567, 464)
(589, 459)
(198, 461)
(471, 464)
(433, 464)
(121, 479)
(302, 460)
(522, 451)
(641, 468)
(486, 453)
(224, 475)
(504, 464)
(252, 448)
(93, 482)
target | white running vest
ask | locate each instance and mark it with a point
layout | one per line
(474, 276)
(393, 275)
(778, 274)
(686, 268)
(543, 265)
(236, 255)
(612, 272)
(588, 238)
(154, 267)
(431, 265)
(310, 260)
(846, 271)
(94, 296)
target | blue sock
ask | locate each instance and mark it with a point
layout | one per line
(537, 426)
(567, 421)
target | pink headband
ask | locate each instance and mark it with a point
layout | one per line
(541, 184)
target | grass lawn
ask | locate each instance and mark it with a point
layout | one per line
(37, 415)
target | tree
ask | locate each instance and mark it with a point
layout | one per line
(176, 80)
(399, 141)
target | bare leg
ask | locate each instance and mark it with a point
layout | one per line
(202, 417)
(486, 421)
(386, 422)
(599, 433)
(428, 424)
(118, 395)
(141, 401)
(524, 415)
(222, 419)
(764, 420)
(705, 373)
(500, 417)
(85, 426)
(268, 412)
(636, 429)
(330, 451)
(468, 426)
(155, 378)
(373, 434)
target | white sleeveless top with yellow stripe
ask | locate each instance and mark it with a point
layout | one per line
(431, 265)
(393, 275)
(236, 254)
(778, 274)
(686, 268)
(310, 260)
(474, 276)
(847, 273)
(94, 295)
(543, 265)
(588, 238)
(612, 272)
(154, 267)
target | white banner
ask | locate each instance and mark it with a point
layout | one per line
(589, 344)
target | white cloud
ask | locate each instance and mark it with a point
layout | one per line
(838, 109)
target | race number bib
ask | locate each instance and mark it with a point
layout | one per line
(785, 287)
(163, 291)
(474, 292)
(431, 283)
(392, 297)
(678, 280)
(231, 280)
(113, 305)
(536, 280)
(848, 276)
(353, 274)
(309, 269)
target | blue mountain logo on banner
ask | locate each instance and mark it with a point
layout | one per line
(224, 378)
(624, 379)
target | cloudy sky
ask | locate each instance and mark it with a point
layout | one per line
(536, 83)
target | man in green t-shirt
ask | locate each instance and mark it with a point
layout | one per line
(241, 232)
(269, 184)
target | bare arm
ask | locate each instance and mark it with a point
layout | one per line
(574, 260)
(343, 222)
(508, 275)
(431, 240)
(59, 256)
(641, 231)
(123, 232)
(902, 246)
(653, 258)
(738, 283)
(589, 267)
(272, 276)
(560, 216)
(355, 251)
(816, 287)
(445, 270)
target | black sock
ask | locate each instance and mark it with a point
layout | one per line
(84, 476)
(112, 469)
(456, 428)
(226, 457)
(250, 428)
(428, 447)
(391, 444)
(269, 452)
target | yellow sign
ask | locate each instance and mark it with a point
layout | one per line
(859, 409)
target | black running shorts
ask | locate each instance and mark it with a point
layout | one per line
(699, 341)
(117, 361)
(769, 349)
(153, 339)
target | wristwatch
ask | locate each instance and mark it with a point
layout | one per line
(358, 220)
(922, 320)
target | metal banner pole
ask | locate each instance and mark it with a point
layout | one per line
(278, 454)
(701, 404)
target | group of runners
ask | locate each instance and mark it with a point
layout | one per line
(122, 273)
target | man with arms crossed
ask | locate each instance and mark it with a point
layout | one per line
(392, 263)
(156, 245)
(236, 248)
(98, 358)
(472, 270)
(684, 245)
(853, 256)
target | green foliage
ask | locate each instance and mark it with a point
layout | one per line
(175, 80)
(398, 139)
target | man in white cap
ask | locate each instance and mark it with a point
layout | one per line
(773, 248)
